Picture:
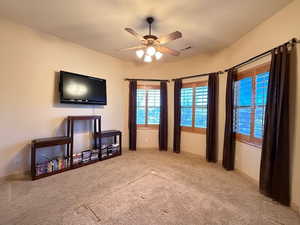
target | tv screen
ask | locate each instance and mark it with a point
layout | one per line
(81, 89)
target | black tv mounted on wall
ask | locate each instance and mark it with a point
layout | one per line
(80, 89)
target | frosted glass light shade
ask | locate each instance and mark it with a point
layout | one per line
(151, 51)
(148, 58)
(158, 55)
(139, 53)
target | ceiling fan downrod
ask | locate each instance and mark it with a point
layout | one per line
(150, 20)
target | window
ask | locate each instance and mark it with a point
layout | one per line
(250, 101)
(194, 106)
(148, 106)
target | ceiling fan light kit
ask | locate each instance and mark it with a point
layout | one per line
(140, 53)
(151, 51)
(148, 59)
(158, 55)
(151, 45)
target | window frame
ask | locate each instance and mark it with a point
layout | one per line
(252, 72)
(193, 85)
(147, 126)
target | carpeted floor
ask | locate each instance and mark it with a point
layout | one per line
(139, 188)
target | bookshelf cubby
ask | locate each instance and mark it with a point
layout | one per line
(71, 160)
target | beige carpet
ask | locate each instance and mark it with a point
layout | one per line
(139, 188)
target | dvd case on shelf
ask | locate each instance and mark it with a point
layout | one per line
(86, 156)
(52, 165)
(95, 154)
(77, 158)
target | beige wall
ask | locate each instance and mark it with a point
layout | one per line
(281, 27)
(29, 62)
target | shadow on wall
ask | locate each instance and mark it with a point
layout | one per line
(20, 161)
(293, 109)
(79, 127)
(61, 130)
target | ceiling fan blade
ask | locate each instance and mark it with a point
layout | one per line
(166, 50)
(134, 33)
(170, 37)
(133, 48)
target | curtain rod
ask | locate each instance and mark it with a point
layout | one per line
(198, 75)
(129, 79)
(292, 41)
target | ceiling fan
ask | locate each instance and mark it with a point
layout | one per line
(152, 45)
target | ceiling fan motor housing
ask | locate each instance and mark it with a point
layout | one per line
(150, 19)
(151, 40)
(149, 36)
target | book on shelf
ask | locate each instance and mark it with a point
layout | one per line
(77, 158)
(86, 156)
(95, 154)
(52, 165)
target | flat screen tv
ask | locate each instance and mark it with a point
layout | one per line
(80, 89)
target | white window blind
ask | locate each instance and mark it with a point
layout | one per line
(186, 107)
(260, 103)
(148, 106)
(194, 105)
(201, 106)
(153, 111)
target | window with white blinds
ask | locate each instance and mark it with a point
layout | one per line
(194, 106)
(250, 91)
(148, 106)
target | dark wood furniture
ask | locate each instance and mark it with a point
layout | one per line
(104, 152)
(96, 129)
(47, 142)
(109, 151)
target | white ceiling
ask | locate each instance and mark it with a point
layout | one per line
(207, 25)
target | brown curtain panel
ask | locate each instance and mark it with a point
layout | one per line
(275, 161)
(211, 131)
(163, 123)
(229, 136)
(132, 114)
(177, 115)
